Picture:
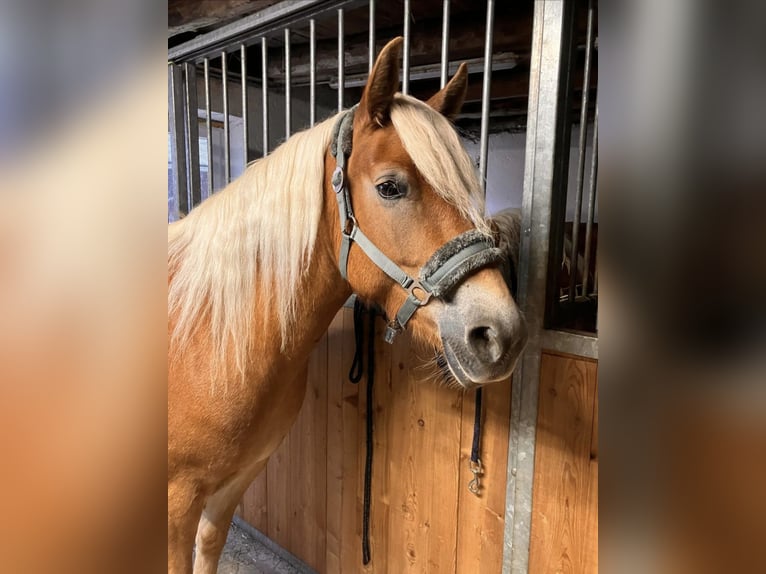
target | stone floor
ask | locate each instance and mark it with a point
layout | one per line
(244, 554)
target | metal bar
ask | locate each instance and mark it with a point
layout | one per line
(208, 129)
(371, 28)
(341, 61)
(543, 130)
(445, 43)
(571, 296)
(261, 23)
(570, 343)
(485, 94)
(177, 139)
(288, 99)
(265, 92)
(406, 56)
(312, 71)
(591, 205)
(245, 127)
(226, 143)
(192, 130)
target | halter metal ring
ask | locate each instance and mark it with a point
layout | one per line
(348, 227)
(337, 179)
(418, 286)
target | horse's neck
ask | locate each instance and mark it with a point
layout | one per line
(320, 294)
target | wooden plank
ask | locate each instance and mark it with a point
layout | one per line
(424, 452)
(351, 467)
(334, 482)
(564, 517)
(481, 519)
(308, 464)
(389, 365)
(280, 477)
(255, 509)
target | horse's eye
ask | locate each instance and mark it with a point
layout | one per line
(389, 190)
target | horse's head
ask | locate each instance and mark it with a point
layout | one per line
(412, 192)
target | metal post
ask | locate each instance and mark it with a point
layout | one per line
(312, 71)
(445, 44)
(571, 295)
(208, 129)
(265, 92)
(371, 27)
(341, 61)
(591, 204)
(288, 102)
(406, 56)
(192, 130)
(245, 130)
(226, 143)
(551, 21)
(177, 138)
(485, 91)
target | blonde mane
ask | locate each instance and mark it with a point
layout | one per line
(435, 148)
(261, 230)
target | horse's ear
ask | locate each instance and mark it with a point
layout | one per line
(383, 84)
(449, 99)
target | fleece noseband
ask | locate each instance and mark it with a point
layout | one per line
(443, 271)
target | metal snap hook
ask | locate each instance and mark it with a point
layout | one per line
(475, 484)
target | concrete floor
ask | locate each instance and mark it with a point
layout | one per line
(245, 554)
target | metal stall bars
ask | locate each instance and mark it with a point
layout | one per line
(573, 305)
(341, 60)
(208, 129)
(545, 175)
(245, 130)
(180, 203)
(207, 48)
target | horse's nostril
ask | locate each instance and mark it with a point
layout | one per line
(483, 341)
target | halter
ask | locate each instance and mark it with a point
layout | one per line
(443, 271)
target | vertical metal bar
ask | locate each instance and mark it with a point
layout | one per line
(445, 44)
(265, 92)
(371, 27)
(177, 139)
(245, 127)
(226, 143)
(591, 204)
(485, 94)
(581, 158)
(312, 71)
(547, 81)
(341, 61)
(288, 99)
(406, 56)
(192, 129)
(208, 129)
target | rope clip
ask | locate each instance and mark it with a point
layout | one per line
(477, 471)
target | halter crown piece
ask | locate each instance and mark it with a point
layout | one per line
(444, 270)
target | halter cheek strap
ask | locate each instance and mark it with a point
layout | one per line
(443, 271)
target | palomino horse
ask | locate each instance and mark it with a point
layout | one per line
(258, 271)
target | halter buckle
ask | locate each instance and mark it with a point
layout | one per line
(415, 289)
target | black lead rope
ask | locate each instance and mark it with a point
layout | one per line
(355, 375)
(476, 467)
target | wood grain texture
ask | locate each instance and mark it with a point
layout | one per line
(481, 519)
(564, 506)
(423, 518)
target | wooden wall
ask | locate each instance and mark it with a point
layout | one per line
(564, 535)
(423, 518)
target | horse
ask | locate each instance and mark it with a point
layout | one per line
(380, 200)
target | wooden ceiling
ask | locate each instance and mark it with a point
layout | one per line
(512, 33)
